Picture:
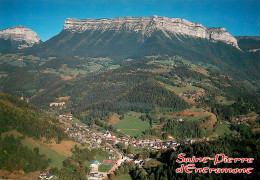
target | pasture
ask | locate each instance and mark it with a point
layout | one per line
(132, 124)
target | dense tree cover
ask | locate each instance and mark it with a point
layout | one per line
(8, 45)
(81, 155)
(57, 63)
(184, 72)
(15, 156)
(26, 83)
(112, 92)
(184, 129)
(27, 119)
(72, 171)
(94, 88)
(245, 98)
(150, 92)
(74, 167)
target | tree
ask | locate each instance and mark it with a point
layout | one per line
(54, 171)
(112, 176)
(36, 150)
(121, 146)
(130, 149)
(66, 163)
(126, 169)
(103, 143)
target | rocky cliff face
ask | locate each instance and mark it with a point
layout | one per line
(146, 25)
(25, 36)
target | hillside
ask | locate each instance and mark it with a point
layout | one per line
(249, 43)
(27, 119)
(163, 88)
(30, 140)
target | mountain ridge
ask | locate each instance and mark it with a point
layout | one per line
(146, 25)
(17, 37)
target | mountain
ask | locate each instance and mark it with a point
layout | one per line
(147, 25)
(17, 37)
(128, 36)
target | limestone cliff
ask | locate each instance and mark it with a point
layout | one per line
(146, 25)
(25, 36)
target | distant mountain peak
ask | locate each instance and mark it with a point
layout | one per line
(147, 25)
(25, 36)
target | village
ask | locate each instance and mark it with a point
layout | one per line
(108, 142)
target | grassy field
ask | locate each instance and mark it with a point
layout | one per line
(132, 124)
(99, 158)
(162, 62)
(65, 71)
(18, 63)
(187, 88)
(114, 66)
(222, 129)
(104, 167)
(223, 100)
(56, 152)
(124, 177)
(95, 67)
(114, 119)
(44, 149)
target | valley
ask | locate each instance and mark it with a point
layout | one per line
(120, 98)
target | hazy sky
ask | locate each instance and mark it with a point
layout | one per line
(46, 17)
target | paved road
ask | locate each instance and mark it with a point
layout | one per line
(118, 162)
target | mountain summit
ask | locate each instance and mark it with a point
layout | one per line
(17, 37)
(137, 37)
(147, 25)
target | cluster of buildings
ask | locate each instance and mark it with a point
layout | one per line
(58, 104)
(193, 96)
(150, 144)
(77, 132)
(82, 134)
(243, 118)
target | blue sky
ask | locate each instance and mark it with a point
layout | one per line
(46, 17)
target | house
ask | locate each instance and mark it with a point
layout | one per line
(107, 134)
(132, 141)
(179, 120)
(57, 104)
(94, 164)
(173, 142)
(139, 161)
(111, 150)
(98, 141)
(45, 175)
(93, 178)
